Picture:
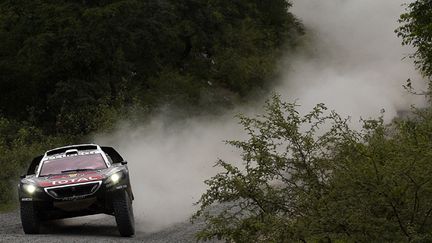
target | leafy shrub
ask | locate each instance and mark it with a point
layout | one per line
(313, 178)
(19, 144)
(416, 30)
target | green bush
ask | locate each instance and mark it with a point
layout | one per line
(312, 178)
(19, 144)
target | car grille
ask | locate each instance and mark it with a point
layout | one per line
(74, 191)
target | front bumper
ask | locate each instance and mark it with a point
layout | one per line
(56, 207)
(73, 192)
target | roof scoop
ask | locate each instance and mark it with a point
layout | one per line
(71, 152)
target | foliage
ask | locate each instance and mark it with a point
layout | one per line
(65, 58)
(312, 178)
(416, 30)
(19, 144)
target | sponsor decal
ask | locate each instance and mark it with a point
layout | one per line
(75, 180)
(70, 155)
(72, 175)
(66, 180)
(73, 198)
(121, 187)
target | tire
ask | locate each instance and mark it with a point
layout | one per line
(123, 212)
(29, 218)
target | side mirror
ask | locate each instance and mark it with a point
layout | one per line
(23, 176)
(124, 162)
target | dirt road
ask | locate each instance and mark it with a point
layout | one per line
(89, 229)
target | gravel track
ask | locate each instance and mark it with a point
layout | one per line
(98, 228)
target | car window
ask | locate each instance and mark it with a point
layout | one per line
(88, 161)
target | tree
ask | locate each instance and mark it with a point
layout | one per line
(312, 178)
(58, 57)
(416, 30)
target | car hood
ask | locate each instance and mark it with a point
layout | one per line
(73, 178)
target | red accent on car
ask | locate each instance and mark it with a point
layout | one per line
(67, 180)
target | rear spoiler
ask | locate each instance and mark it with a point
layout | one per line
(111, 152)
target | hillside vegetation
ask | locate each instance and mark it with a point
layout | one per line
(72, 68)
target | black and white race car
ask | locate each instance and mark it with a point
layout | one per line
(76, 181)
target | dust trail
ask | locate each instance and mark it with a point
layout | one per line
(169, 163)
(355, 68)
(355, 65)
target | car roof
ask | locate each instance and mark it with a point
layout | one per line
(109, 151)
(78, 147)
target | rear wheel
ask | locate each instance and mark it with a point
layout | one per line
(29, 218)
(123, 212)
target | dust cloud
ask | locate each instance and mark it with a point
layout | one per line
(352, 62)
(168, 164)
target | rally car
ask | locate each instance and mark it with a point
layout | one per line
(76, 181)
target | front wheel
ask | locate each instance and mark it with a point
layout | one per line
(29, 218)
(123, 212)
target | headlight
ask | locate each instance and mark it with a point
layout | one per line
(115, 177)
(29, 188)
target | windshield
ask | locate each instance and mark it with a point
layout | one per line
(77, 162)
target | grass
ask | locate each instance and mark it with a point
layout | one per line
(4, 208)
